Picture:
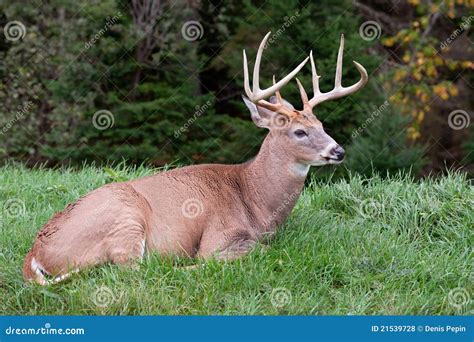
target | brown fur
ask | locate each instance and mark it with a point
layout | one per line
(108, 224)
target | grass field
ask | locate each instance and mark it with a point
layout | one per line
(363, 246)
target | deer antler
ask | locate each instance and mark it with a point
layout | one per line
(339, 90)
(257, 95)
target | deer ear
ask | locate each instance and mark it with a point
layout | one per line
(262, 117)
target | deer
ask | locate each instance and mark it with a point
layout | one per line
(199, 211)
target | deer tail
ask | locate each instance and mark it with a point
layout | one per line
(32, 271)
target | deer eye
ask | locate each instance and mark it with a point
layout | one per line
(300, 133)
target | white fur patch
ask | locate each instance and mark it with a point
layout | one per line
(40, 272)
(143, 248)
(299, 169)
(62, 277)
(327, 151)
(35, 266)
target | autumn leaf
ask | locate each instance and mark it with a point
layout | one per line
(453, 90)
(388, 41)
(413, 133)
(441, 91)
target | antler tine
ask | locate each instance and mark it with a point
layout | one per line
(246, 77)
(277, 92)
(256, 94)
(340, 55)
(339, 90)
(304, 96)
(315, 76)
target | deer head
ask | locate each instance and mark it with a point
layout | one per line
(298, 132)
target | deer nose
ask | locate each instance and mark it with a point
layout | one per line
(338, 152)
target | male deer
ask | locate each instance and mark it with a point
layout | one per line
(199, 211)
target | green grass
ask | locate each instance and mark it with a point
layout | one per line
(363, 246)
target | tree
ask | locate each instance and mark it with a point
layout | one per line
(430, 70)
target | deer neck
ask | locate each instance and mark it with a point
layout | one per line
(273, 182)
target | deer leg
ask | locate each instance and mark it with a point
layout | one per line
(230, 246)
(236, 249)
(126, 244)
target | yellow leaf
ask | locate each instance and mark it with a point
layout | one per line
(453, 91)
(438, 61)
(441, 91)
(389, 41)
(421, 116)
(413, 133)
(431, 71)
(400, 74)
(434, 8)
